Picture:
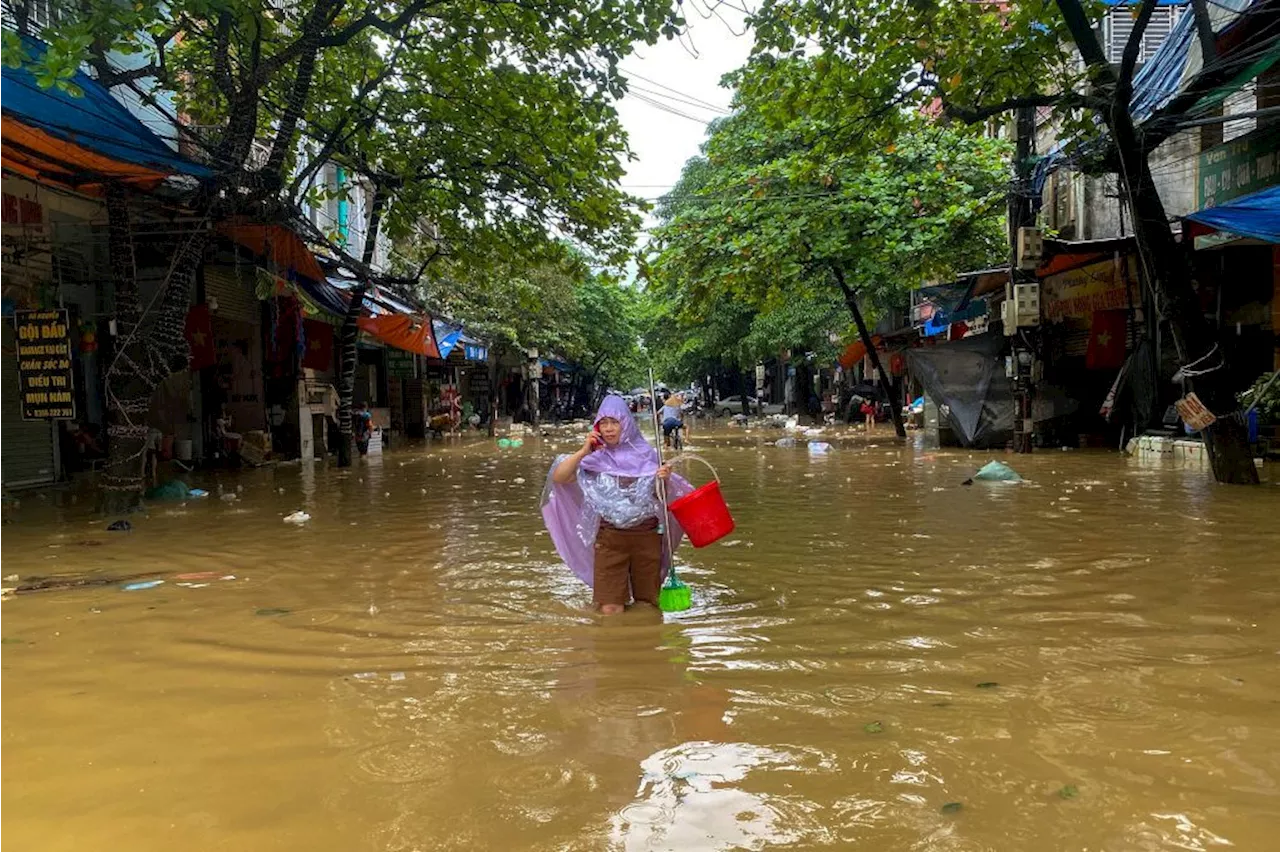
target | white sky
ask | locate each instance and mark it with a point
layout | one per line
(683, 76)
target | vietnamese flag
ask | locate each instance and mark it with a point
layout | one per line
(199, 334)
(1106, 341)
(319, 353)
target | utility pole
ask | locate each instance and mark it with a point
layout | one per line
(1021, 215)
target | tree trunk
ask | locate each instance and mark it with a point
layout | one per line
(147, 349)
(532, 391)
(128, 396)
(494, 390)
(1168, 271)
(1164, 266)
(347, 358)
(851, 300)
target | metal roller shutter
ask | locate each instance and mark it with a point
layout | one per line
(234, 288)
(26, 446)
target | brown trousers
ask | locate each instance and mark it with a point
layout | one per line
(628, 565)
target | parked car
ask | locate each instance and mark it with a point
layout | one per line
(732, 405)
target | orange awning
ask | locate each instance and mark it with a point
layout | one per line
(855, 352)
(44, 158)
(412, 334)
(277, 244)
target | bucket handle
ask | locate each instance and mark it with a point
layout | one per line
(691, 457)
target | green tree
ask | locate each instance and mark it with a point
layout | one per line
(974, 62)
(550, 296)
(766, 220)
(480, 116)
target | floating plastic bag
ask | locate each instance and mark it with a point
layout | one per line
(997, 472)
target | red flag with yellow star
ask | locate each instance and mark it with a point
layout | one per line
(1106, 341)
(199, 333)
(319, 352)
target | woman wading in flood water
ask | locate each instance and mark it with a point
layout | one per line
(604, 514)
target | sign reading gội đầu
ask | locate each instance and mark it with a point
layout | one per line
(45, 383)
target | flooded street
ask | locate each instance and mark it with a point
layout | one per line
(879, 658)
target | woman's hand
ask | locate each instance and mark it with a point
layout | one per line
(664, 472)
(592, 444)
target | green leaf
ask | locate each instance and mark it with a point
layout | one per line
(952, 807)
(873, 728)
(1070, 791)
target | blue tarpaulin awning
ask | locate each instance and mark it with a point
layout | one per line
(324, 294)
(1178, 61)
(1256, 215)
(447, 337)
(80, 139)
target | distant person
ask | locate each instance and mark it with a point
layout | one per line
(228, 441)
(362, 427)
(672, 416)
(868, 410)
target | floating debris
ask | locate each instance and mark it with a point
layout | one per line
(298, 517)
(119, 526)
(995, 472)
(952, 808)
(873, 728)
(271, 611)
(137, 587)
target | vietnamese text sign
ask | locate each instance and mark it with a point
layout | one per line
(1237, 168)
(44, 365)
(401, 364)
(1080, 292)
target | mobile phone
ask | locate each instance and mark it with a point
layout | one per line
(597, 440)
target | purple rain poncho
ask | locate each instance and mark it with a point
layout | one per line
(614, 483)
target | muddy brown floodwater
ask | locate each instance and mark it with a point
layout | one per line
(878, 659)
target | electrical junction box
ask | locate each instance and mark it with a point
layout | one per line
(1021, 308)
(1030, 248)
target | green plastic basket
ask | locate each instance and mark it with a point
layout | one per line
(674, 595)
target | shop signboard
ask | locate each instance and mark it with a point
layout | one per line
(401, 364)
(1096, 287)
(1239, 167)
(45, 381)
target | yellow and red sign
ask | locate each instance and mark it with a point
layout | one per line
(1094, 287)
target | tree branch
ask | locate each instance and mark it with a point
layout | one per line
(1204, 31)
(341, 37)
(222, 56)
(376, 205)
(111, 77)
(1129, 60)
(973, 115)
(1086, 39)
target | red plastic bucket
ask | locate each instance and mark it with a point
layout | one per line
(704, 515)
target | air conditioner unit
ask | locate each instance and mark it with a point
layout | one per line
(1030, 248)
